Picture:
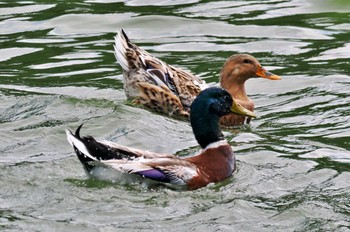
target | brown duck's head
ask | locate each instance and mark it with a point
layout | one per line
(240, 67)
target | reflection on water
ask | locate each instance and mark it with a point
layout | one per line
(58, 71)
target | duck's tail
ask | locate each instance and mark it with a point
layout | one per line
(121, 43)
(91, 152)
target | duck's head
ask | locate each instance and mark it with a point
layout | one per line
(238, 68)
(206, 110)
(218, 102)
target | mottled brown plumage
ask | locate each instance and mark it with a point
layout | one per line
(156, 85)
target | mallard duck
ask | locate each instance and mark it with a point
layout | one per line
(154, 84)
(234, 73)
(214, 163)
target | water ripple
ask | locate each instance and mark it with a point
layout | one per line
(58, 71)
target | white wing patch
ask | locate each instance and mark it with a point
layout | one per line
(128, 166)
(177, 173)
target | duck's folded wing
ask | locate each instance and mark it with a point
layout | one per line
(132, 57)
(181, 83)
(169, 170)
(159, 99)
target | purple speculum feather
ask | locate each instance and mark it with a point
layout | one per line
(154, 174)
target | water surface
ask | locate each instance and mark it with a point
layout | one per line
(57, 70)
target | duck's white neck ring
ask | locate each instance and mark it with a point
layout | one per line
(216, 144)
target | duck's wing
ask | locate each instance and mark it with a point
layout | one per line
(159, 99)
(136, 61)
(141, 67)
(163, 168)
(172, 170)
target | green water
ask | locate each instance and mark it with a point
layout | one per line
(57, 70)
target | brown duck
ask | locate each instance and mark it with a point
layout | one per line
(152, 83)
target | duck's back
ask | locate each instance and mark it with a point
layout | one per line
(153, 83)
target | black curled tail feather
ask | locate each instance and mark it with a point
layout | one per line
(98, 150)
(84, 159)
(77, 131)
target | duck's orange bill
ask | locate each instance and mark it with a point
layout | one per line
(266, 74)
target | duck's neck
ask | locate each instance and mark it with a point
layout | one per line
(234, 85)
(206, 128)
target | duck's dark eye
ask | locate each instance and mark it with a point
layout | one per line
(246, 61)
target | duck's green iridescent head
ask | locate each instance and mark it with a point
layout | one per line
(206, 110)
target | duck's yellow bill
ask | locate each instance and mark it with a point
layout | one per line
(266, 74)
(240, 110)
